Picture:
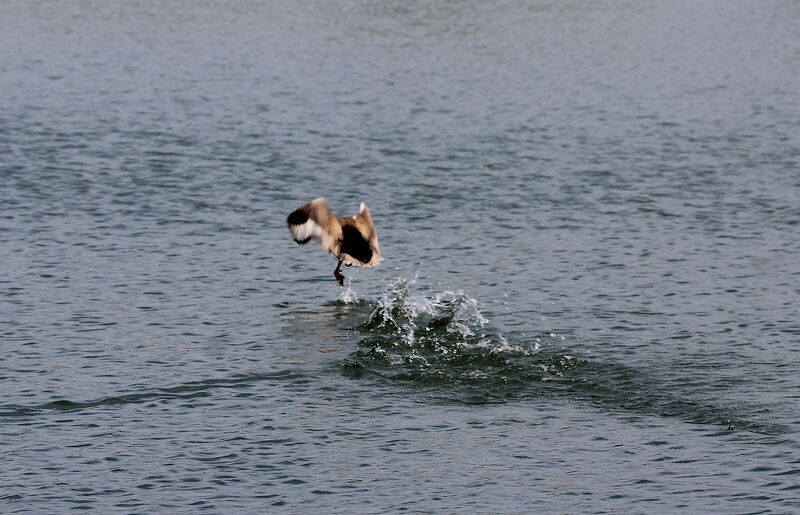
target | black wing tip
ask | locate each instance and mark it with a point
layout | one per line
(298, 217)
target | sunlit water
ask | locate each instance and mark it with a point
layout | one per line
(589, 213)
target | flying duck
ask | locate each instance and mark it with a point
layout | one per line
(352, 239)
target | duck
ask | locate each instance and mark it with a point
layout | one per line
(352, 239)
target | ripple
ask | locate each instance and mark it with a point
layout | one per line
(183, 391)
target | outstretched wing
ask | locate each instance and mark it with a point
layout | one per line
(315, 220)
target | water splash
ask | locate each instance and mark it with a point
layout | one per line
(449, 318)
(348, 295)
(434, 337)
(444, 341)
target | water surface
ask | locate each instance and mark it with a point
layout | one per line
(589, 212)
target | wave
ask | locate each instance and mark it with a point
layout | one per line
(182, 391)
(443, 341)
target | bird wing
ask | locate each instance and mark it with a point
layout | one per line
(315, 220)
(363, 222)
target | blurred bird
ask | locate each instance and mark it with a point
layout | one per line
(352, 239)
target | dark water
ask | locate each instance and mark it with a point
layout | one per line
(589, 212)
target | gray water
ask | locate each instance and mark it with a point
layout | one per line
(589, 212)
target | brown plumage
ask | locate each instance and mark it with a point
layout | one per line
(352, 239)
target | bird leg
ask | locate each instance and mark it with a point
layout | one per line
(337, 274)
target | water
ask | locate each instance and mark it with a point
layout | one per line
(589, 213)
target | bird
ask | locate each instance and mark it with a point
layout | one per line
(352, 239)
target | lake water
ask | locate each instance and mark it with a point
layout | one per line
(589, 212)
